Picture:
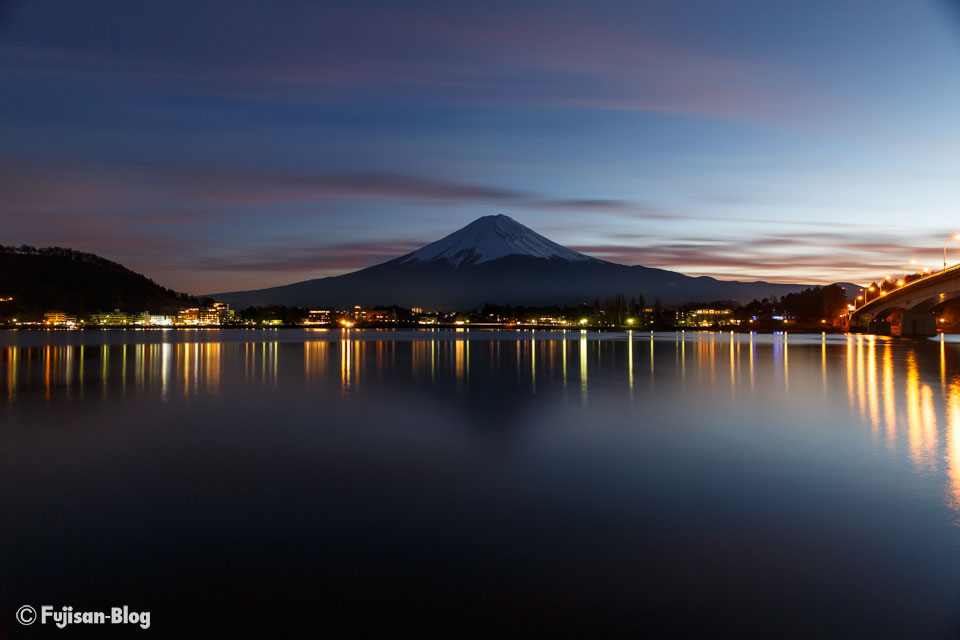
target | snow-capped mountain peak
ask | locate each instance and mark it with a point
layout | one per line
(489, 238)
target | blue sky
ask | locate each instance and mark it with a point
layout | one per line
(227, 145)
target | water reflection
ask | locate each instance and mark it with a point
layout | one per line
(905, 395)
(953, 446)
(66, 372)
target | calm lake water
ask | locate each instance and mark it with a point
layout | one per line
(460, 483)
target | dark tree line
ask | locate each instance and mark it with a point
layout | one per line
(74, 282)
(809, 306)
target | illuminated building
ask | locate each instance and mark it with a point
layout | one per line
(319, 316)
(216, 314)
(57, 319)
(208, 316)
(150, 320)
(188, 316)
(111, 318)
(377, 316)
(709, 317)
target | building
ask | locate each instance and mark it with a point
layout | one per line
(112, 318)
(708, 317)
(147, 319)
(214, 315)
(57, 319)
(189, 317)
(319, 317)
(377, 316)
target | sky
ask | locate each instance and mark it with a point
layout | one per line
(223, 145)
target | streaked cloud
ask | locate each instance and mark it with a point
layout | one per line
(283, 141)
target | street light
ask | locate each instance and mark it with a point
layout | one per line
(953, 237)
(903, 269)
(883, 283)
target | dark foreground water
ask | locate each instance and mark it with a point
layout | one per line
(475, 483)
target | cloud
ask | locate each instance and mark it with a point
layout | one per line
(802, 257)
(147, 216)
(463, 55)
(243, 187)
(40, 186)
(327, 259)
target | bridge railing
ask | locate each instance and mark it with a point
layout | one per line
(933, 277)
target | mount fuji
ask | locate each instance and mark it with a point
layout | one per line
(498, 260)
(492, 238)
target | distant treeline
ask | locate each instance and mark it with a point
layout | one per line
(809, 306)
(58, 279)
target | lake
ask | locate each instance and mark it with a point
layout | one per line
(462, 483)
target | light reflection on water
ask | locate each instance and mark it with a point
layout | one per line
(894, 402)
(903, 409)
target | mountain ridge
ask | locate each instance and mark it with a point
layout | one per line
(497, 260)
(56, 278)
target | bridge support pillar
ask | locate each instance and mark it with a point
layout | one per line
(918, 323)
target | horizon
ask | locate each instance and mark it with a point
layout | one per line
(745, 142)
(428, 244)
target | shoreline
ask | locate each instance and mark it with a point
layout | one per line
(460, 328)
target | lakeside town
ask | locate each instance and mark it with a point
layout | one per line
(813, 309)
(221, 315)
(617, 313)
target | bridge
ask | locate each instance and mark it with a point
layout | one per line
(913, 303)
